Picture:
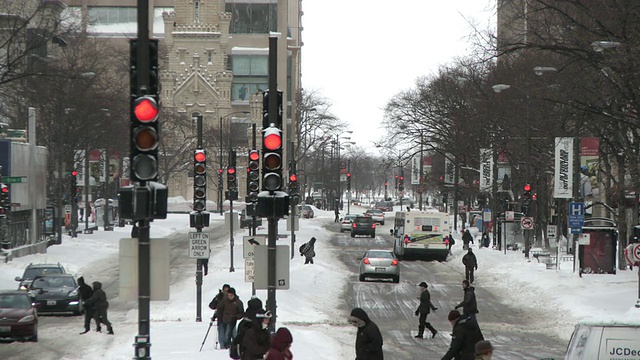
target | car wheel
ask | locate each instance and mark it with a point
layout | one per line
(353, 235)
(362, 277)
(396, 279)
(373, 235)
(34, 338)
(382, 223)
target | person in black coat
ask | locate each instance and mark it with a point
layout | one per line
(369, 338)
(253, 306)
(466, 239)
(423, 310)
(99, 301)
(470, 263)
(256, 340)
(466, 333)
(468, 304)
(308, 251)
(85, 294)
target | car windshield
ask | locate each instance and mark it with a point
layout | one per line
(14, 301)
(374, 211)
(350, 217)
(362, 219)
(31, 273)
(52, 282)
(380, 254)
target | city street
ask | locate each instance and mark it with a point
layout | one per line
(519, 334)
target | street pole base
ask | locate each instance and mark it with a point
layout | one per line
(231, 269)
(638, 304)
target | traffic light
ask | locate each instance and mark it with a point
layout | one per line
(396, 185)
(526, 196)
(73, 183)
(232, 178)
(199, 180)
(401, 183)
(5, 201)
(348, 181)
(272, 159)
(265, 111)
(253, 173)
(144, 139)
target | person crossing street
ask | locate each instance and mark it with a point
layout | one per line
(423, 310)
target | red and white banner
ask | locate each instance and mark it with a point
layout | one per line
(563, 174)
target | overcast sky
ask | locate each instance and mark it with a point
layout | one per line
(359, 53)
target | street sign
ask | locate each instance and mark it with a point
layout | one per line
(199, 245)
(576, 230)
(486, 215)
(526, 223)
(509, 215)
(636, 252)
(67, 209)
(282, 267)
(248, 243)
(249, 266)
(551, 232)
(14, 179)
(296, 223)
(576, 215)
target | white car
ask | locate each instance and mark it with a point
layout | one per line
(346, 221)
(376, 215)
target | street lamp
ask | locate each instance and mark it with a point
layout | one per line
(220, 170)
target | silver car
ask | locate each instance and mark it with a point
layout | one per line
(346, 221)
(379, 264)
(376, 215)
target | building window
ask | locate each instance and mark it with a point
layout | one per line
(196, 7)
(255, 17)
(209, 57)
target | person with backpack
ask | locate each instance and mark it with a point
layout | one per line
(308, 251)
(99, 301)
(253, 306)
(89, 310)
(257, 339)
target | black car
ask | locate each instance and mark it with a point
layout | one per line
(363, 225)
(56, 293)
(33, 270)
(18, 317)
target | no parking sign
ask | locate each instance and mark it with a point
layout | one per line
(632, 254)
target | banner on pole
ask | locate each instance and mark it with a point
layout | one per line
(415, 169)
(103, 165)
(78, 165)
(563, 174)
(486, 169)
(449, 169)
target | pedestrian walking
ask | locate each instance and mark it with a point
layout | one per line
(89, 310)
(213, 305)
(468, 304)
(99, 301)
(470, 263)
(229, 311)
(486, 242)
(281, 346)
(253, 306)
(368, 338)
(466, 239)
(257, 340)
(337, 212)
(484, 350)
(308, 251)
(466, 333)
(423, 310)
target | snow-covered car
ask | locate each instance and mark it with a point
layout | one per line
(346, 221)
(379, 264)
(376, 215)
(306, 211)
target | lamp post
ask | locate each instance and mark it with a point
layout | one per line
(220, 169)
(337, 154)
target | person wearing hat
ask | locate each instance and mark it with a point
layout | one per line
(423, 310)
(280, 345)
(466, 334)
(470, 264)
(253, 306)
(257, 339)
(369, 338)
(484, 350)
(308, 251)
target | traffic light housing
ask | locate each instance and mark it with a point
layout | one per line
(5, 201)
(73, 184)
(199, 180)
(144, 139)
(265, 111)
(348, 181)
(293, 188)
(232, 178)
(527, 196)
(401, 183)
(272, 159)
(253, 174)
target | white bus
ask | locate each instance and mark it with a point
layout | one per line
(421, 234)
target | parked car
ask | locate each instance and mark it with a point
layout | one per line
(18, 316)
(346, 222)
(33, 270)
(376, 215)
(363, 225)
(306, 211)
(379, 264)
(56, 293)
(356, 202)
(384, 206)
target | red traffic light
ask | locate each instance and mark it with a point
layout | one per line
(386, 183)
(401, 177)
(200, 156)
(74, 173)
(273, 141)
(146, 109)
(5, 189)
(293, 177)
(527, 187)
(231, 171)
(348, 174)
(254, 155)
(534, 197)
(396, 176)
(219, 171)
